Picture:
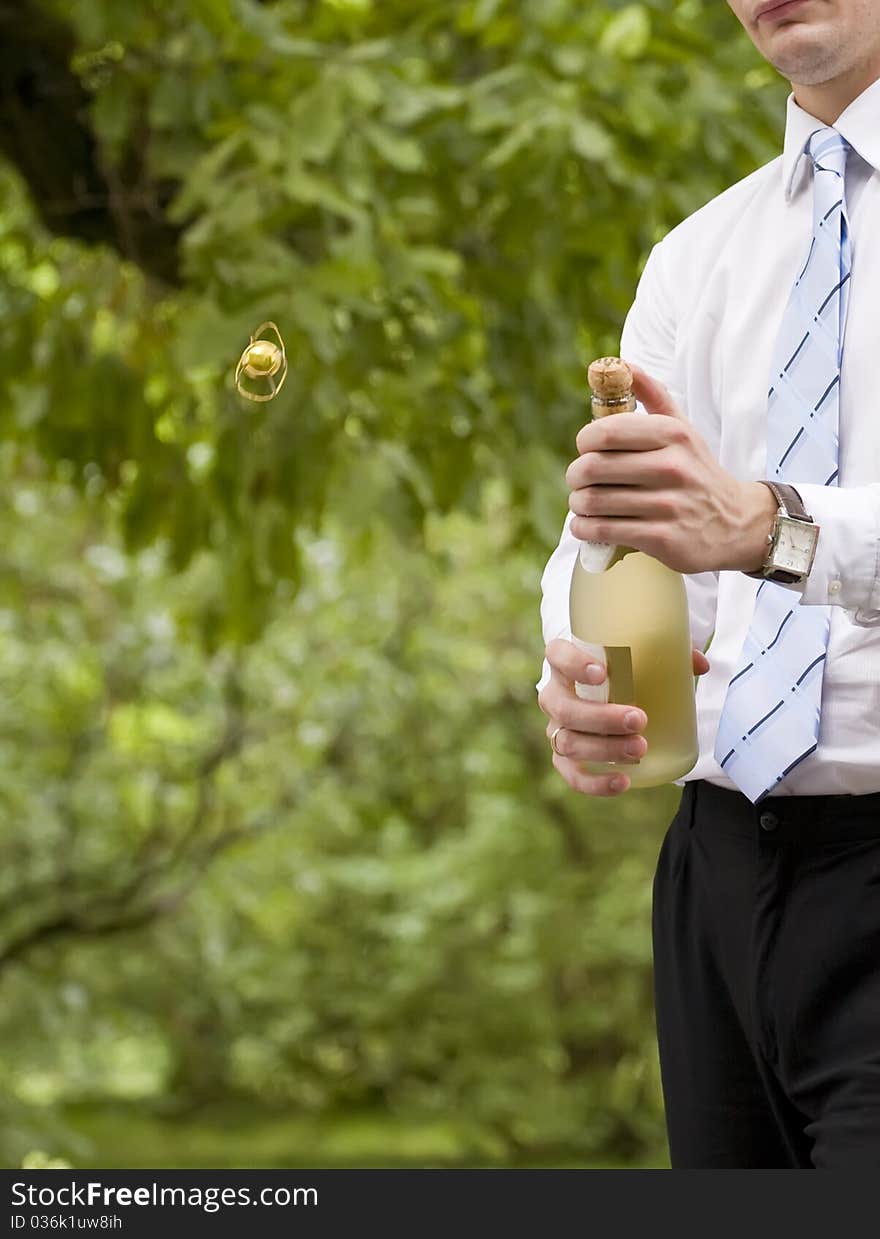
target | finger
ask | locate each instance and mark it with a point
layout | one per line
(701, 663)
(571, 663)
(625, 431)
(653, 395)
(598, 718)
(641, 535)
(590, 784)
(580, 747)
(644, 503)
(645, 466)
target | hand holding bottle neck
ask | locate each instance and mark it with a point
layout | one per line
(653, 484)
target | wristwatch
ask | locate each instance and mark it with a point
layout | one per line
(791, 545)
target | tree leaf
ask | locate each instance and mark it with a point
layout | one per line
(403, 153)
(628, 33)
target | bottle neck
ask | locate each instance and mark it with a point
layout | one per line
(602, 407)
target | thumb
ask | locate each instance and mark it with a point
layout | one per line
(654, 397)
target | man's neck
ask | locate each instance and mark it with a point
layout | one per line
(828, 100)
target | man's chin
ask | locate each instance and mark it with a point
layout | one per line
(803, 55)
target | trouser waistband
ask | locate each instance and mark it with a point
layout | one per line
(795, 819)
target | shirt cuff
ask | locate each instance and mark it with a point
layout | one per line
(846, 568)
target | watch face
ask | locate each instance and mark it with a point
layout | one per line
(795, 546)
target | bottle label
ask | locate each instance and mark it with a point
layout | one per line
(618, 687)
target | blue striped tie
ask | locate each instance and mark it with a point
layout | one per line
(770, 719)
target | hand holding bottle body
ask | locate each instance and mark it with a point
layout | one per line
(587, 731)
(652, 484)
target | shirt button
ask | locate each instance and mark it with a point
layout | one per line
(834, 587)
(769, 821)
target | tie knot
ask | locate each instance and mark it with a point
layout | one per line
(828, 151)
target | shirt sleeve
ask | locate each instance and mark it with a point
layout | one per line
(555, 585)
(648, 340)
(846, 568)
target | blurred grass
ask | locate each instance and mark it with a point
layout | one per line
(235, 1136)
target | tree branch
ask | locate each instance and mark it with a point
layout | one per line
(143, 897)
(46, 134)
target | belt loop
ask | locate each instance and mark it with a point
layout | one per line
(691, 786)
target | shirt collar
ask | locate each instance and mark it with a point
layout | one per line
(859, 124)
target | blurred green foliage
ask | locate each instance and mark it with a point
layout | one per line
(443, 205)
(278, 826)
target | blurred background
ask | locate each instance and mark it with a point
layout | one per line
(286, 875)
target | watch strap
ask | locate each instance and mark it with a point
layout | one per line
(789, 499)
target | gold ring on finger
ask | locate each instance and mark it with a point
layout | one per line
(553, 742)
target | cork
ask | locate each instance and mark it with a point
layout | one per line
(611, 382)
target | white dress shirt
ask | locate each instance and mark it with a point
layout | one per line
(704, 322)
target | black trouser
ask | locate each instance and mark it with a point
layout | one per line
(767, 980)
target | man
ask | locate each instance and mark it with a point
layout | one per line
(754, 336)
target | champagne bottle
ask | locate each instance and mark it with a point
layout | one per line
(629, 612)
